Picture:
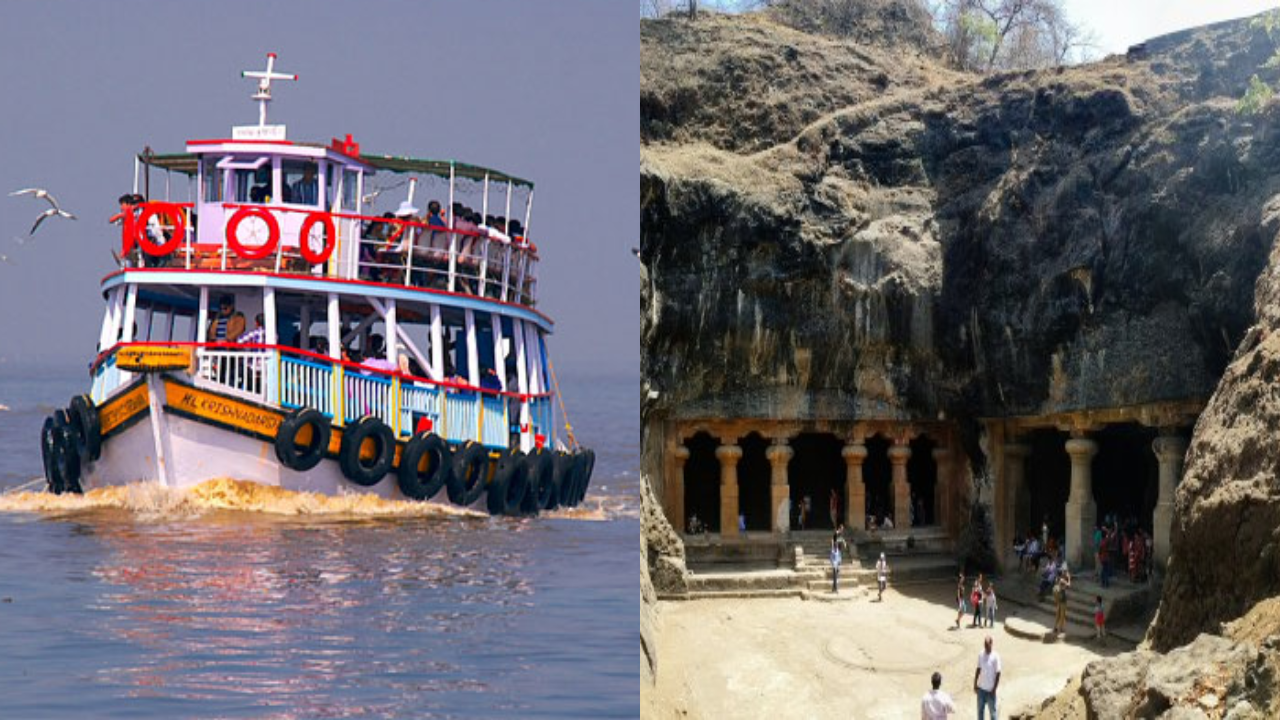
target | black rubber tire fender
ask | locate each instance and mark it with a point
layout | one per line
(296, 457)
(510, 485)
(470, 471)
(539, 467)
(353, 437)
(576, 477)
(87, 426)
(48, 443)
(563, 464)
(585, 481)
(423, 484)
(65, 460)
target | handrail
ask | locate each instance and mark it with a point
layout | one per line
(463, 387)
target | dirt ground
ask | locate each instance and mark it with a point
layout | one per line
(791, 658)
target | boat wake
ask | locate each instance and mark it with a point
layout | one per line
(224, 494)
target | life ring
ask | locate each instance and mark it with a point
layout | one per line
(304, 235)
(416, 481)
(48, 441)
(64, 460)
(263, 250)
(540, 468)
(86, 426)
(466, 482)
(302, 456)
(563, 475)
(146, 242)
(358, 471)
(510, 485)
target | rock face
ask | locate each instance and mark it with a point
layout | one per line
(1226, 533)
(847, 229)
(1233, 675)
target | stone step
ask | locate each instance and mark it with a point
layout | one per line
(734, 594)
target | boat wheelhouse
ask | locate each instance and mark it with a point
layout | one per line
(274, 327)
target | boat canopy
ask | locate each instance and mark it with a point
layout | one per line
(186, 163)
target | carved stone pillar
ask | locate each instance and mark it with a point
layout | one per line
(779, 488)
(855, 511)
(728, 455)
(899, 454)
(1082, 512)
(1170, 451)
(675, 490)
(1017, 498)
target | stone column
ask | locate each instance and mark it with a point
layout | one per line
(899, 454)
(1082, 513)
(675, 490)
(729, 455)
(855, 511)
(1170, 451)
(942, 487)
(1017, 510)
(779, 488)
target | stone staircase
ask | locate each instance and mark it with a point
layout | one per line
(1128, 606)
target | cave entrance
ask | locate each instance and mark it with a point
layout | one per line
(1126, 475)
(877, 477)
(702, 483)
(922, 476)
(753, 483)
(1048, 477)
(816, 468)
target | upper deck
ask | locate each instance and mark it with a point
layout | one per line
(259, 203)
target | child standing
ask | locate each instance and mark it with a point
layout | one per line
(1099, 618)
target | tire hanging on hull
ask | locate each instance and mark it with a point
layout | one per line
(470, 469)
(358, 471)
(510, 485)
(423, 483)
(86, 425)
(540, 469)
(298, 456)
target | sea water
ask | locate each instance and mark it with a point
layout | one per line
(235, 601)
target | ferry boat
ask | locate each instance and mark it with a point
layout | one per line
(273, 328)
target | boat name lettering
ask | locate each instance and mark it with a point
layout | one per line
(116, 412)
(228, 412)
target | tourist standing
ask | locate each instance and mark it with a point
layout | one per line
(960, 608)
(835, 563)
(936, 704)
(989, 604)
(835, 507)
(1060, 604)
(882, 576)
(986, 679)
(976, 598)
(1099, 618)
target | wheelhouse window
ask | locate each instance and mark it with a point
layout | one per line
(212, 177)
(300, 182)
(350, 188)
(250, 178)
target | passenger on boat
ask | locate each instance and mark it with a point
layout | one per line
(374, 355)
(490, 380)
(229, 323)
(304, 190)
(392, 258)
(261, 192)
(258, 335)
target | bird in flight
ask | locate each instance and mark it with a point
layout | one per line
(54, 209)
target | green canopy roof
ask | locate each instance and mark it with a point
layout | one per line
(186, 163)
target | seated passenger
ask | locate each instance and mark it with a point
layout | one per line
(304, 190)
(257, 336)
(489, 380)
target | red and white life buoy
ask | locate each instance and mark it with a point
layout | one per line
(177, 218)
(263, 250)
(304, 237)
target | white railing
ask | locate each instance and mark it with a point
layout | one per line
(107, 379)
(245, 372)
(495, 428)
(461, 413)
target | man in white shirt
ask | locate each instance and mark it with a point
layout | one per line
(936, 704)
(986, 679)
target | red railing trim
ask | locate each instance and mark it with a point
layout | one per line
(307, 353)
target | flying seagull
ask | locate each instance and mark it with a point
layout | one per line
(43, 194)
(50, 213)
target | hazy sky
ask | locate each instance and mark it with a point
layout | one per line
(543, 90)
(1121, 23)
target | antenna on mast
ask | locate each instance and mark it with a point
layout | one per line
(263, 96)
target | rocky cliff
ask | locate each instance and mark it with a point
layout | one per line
(836, 227)
(849, 229)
